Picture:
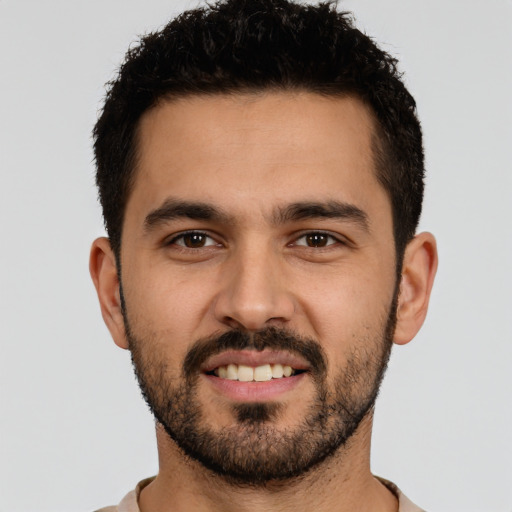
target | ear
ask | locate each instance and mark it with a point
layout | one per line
(103, 269)
(418, 272)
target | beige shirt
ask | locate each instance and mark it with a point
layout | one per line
(130, 502)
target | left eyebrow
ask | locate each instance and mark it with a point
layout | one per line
(322, 210)
(173, 209)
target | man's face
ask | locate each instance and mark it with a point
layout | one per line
(257, 236)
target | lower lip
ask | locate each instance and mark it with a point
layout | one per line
(254, 391)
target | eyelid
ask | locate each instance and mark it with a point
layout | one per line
(172, 239)
(337, 238)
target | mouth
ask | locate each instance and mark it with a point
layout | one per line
(261, 373)
(251, 375)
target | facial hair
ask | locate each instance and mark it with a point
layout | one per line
(253, 451)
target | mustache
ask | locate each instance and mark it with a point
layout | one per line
(272, 338)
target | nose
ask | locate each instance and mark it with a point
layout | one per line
(255, 292)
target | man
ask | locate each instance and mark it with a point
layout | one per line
(260, 169)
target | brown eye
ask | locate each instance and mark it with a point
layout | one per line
(193, 240)
(317, 240)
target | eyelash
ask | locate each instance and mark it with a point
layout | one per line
(333, 240)
(181, 236)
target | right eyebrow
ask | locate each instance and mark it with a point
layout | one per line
(175, 209)
(322, 210)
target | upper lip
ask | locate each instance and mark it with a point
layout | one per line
(255, 358)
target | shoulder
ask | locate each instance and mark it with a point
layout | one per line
(130, 502)
(404, 503)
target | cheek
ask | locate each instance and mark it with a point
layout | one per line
(348, 309)
(167, 301)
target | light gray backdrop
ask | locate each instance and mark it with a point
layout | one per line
(75, 434)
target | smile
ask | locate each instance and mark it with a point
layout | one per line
(261, 373)
(253, 376)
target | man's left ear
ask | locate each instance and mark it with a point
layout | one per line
(418, 272)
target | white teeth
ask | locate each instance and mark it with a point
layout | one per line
(277, 371)
(232, 372)
(245, 373)
(261, 373)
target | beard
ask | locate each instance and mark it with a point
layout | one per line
(253, 450)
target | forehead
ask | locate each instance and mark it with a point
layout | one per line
(250, 152)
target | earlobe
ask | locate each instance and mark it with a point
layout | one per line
(418, 272)
(103, 269)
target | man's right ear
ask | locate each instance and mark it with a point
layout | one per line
(103, 269)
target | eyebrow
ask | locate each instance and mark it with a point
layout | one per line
(322, 210)
(173, 209)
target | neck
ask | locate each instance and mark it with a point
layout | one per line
(341, 483)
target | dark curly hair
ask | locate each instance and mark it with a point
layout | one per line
(254, 45)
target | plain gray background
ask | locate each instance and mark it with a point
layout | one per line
(75, 434)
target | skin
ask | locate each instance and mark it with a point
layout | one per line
(251, 156)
